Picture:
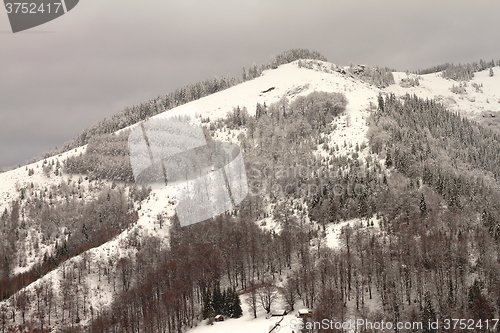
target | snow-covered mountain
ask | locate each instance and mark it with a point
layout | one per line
(479, 99)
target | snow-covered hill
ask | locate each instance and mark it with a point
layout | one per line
(287, 81)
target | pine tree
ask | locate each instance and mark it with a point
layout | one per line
(208, 310)
(381, 103)
(491, 72)
(237, 116)
(258, 111)
(244, 75)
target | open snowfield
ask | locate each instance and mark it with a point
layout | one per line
(334, 231)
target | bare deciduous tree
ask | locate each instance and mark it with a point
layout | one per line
(268, 294)
(252, 298)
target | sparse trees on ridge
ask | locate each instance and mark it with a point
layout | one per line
(281, 59)
(460, 72)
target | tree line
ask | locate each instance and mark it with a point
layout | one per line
(460, 72)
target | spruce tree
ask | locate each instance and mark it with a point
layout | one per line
(208, 310)
(225, 308)
(244, 75)
(491, 72)
(236, 306)
(381, 105)
(217, 300)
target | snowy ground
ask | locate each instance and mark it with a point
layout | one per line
(11, 184)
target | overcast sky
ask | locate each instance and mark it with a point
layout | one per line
(58, 78)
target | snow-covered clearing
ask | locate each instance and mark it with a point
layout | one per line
(334, 231)
(247, 324)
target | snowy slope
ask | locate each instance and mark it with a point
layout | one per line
(12, 180)
(471, 104)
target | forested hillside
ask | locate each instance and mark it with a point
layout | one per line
(430, 256)
(359, 207)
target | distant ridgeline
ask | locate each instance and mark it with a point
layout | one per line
(460, 72)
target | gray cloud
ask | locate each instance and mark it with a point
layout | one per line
(105, 55)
